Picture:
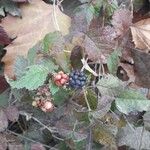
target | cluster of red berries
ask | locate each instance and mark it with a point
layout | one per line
(42, 99)
(60, 78)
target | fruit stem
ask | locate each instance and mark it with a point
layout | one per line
(86, 100)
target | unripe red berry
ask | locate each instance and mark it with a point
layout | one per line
(61, 78)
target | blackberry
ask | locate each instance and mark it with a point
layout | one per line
(77, 79)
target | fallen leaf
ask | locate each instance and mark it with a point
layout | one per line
(4, 39)
(12, 113)
(37, 20)
(121, 20)
(141, 68)
(3, 142)
(141, 34)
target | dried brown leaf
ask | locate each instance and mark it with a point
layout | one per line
(3, 142)
(141, 67)
(141, 34)
(37, 21)
(4, 38)
(12, 113)
(121, 20)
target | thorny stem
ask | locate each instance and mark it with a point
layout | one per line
(19, 135)
(88, 105)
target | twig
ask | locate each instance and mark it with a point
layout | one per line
(54, 16)
(19, 135)
(88, 105)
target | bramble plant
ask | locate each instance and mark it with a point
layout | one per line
(77, 89)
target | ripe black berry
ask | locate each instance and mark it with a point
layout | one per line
(77, 79)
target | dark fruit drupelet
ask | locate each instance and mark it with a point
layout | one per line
(77, 79)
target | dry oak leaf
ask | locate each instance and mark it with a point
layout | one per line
(141, 34)
(37, 20)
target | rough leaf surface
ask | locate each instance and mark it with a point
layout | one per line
(36, 22)
(32, 79)
(141, 34)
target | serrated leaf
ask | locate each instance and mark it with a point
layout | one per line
(112, 62)
(53, 88)
(20, 66)
(103, 136)
(60, 96)
(10, 7)
(131, 100)
(104, 105)
(81, 116)
(48, 63)
(50, 40)
(32, 53)
(92, 99)
(32, 79)
(137, 138)
(110, 85)
(63, 61)
(90, 12)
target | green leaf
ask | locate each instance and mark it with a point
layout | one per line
(112, 62)
(110, 85)
(32, 53)
(48, 63)
(90, 12)
(76, 56)
(53, 88)
(4, 97)
(103, 136)
(131, 100)
(92, 99)
(10, 7)
(49, 40)
(62, 60)
(20, 66)
(81, 116)
(60, 96)
(136, 138)
(32, 79)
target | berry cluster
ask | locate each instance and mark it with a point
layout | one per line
(42, 99)
(60, 78)
(77, 79)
